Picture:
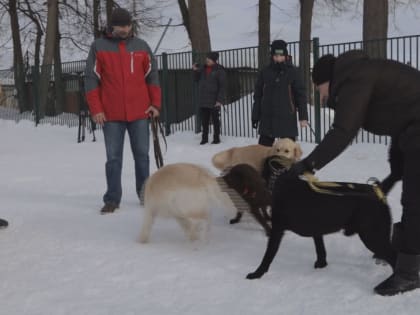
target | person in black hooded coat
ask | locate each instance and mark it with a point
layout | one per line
(382, 97)
(279, 96)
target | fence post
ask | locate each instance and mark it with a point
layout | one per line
(315, 54)
(195, 98)
(164, 89)
(35, 92)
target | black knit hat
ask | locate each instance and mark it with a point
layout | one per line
(323, 69)
(279, 47)
(213, 55)
(120, 17)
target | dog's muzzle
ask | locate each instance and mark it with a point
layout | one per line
(277, 165)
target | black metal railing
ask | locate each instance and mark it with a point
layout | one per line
(179, 91)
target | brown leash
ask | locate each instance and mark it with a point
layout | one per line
(156, 127)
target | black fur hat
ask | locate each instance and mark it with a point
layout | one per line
(120, 17)
(323, 69)
(213, 55)
(279, 47)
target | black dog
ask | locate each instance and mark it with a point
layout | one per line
(245, 180)
(298, 208)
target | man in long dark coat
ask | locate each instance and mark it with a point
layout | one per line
(382, 97)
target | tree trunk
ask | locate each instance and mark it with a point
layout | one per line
(200, 36)
(306, 12)
(185, 16)
(18, 64)
(109, 8)
(96, 12)
(375, 27)
(47, 61)
(264, 12)
(58, 75)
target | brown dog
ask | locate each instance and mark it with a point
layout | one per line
(252, 188)
(256, 154)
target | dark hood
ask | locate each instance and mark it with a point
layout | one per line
(345, 65)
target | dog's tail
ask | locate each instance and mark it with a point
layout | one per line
(222, 159)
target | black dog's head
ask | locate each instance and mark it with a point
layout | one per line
(245, 180)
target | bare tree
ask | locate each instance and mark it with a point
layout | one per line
(36, 19)
(196, 23)
(109, 7)
(96, 14)
(264, 13)
(185, 16)
(18, 64)
(49, 51)
(306, 13)
(375, 27)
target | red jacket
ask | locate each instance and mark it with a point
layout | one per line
(121, 79)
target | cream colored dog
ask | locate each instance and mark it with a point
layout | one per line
(186, 192)
(255, 154)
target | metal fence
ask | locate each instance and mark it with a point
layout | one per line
(180, 92)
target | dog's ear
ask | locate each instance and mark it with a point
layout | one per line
(298, 152)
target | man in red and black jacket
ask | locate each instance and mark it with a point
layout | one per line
(122, 91)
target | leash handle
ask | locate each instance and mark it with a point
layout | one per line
(312, 130)
(156, 145)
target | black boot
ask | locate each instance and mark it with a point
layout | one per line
(405, 277)
(216, 139)
(204, 140)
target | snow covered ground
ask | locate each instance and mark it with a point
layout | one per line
(59, 256)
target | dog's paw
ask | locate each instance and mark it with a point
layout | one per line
(254, 275)
(320, 264)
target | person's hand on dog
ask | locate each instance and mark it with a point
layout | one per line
(255, 124)
(299, 168)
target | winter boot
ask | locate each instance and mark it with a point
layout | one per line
(109, 208)
(405, 277)
(204, 139)
(3, 224)
(216, 139)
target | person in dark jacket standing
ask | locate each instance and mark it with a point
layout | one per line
(383, 97)
(122, 91)
(212, 86)
(278, 96)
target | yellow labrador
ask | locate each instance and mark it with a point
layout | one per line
(186, 192)
(255, 154)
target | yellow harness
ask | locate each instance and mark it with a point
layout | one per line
(328, 187)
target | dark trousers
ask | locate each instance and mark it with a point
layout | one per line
(410, 201)
(214, 114)
(268, 141)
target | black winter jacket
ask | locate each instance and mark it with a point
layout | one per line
(381, 96)
(279, 94)
(212, 86)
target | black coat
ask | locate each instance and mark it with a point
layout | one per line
(212, 86)
(279, 94)
(381, 96)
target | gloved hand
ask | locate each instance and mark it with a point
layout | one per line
(255, 124)
(299, 168)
